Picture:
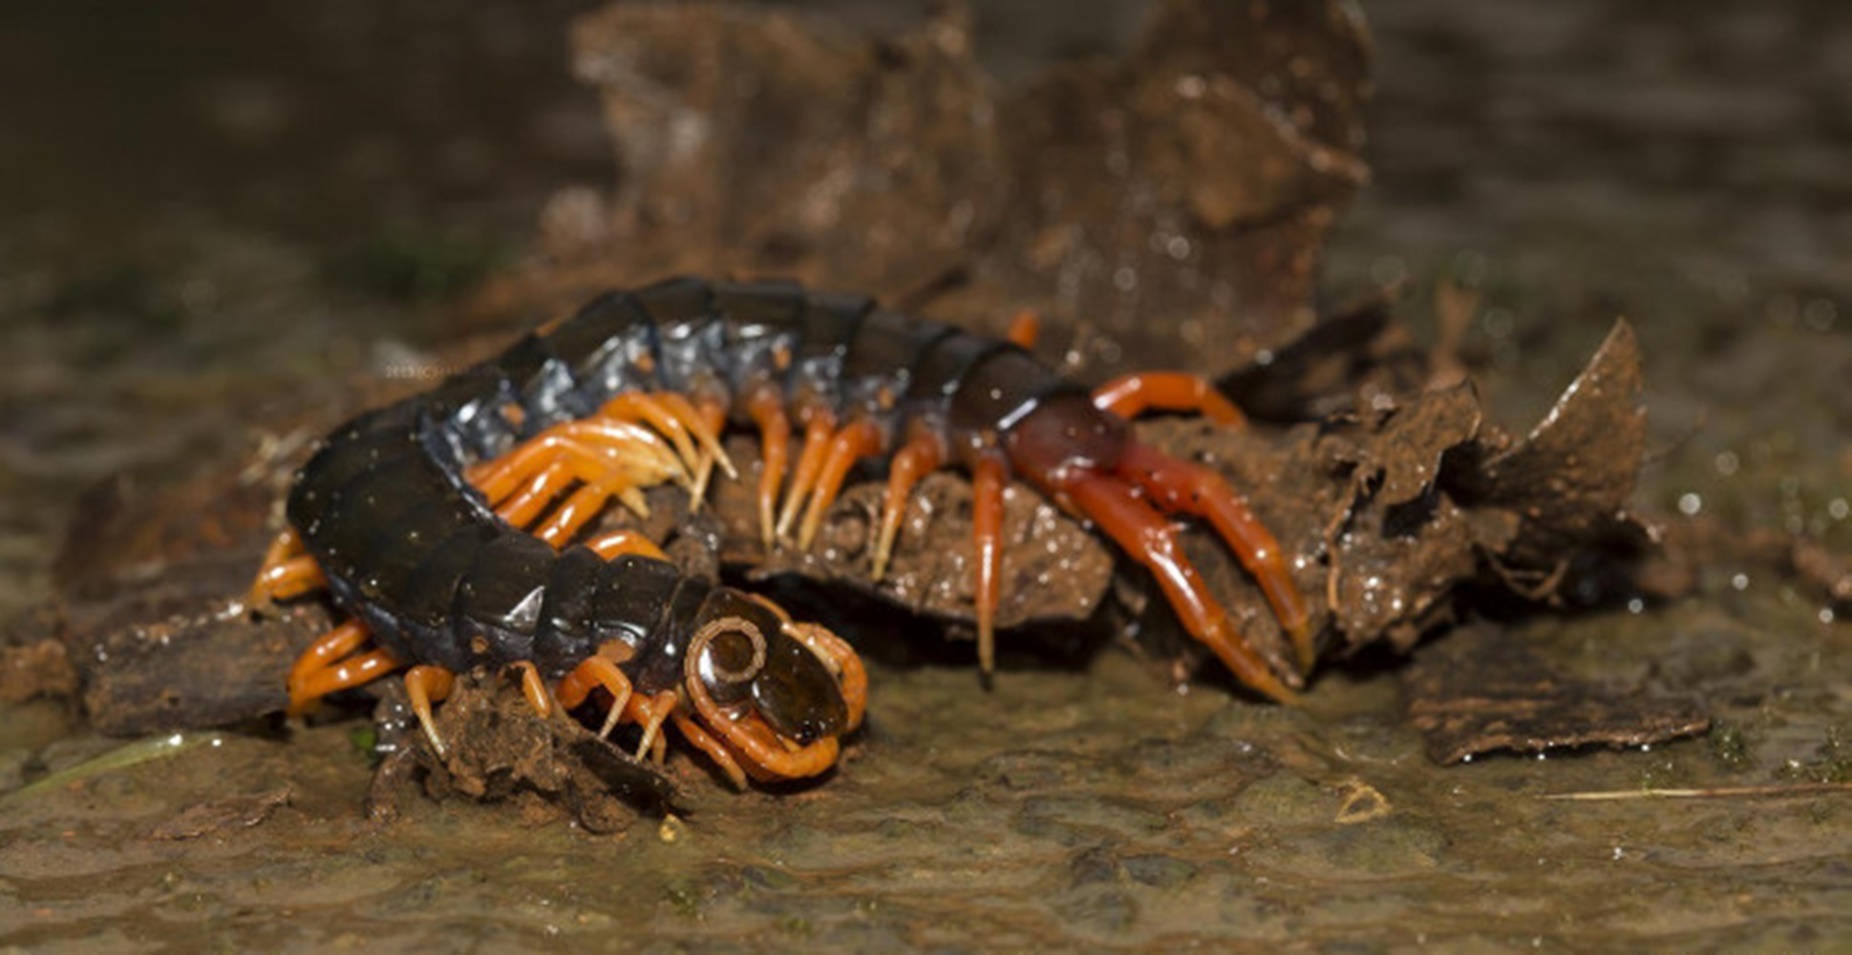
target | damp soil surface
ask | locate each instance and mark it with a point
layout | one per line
(331, 203)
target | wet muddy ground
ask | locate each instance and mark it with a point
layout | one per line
(317, 192)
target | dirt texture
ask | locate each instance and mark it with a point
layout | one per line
(498, 750)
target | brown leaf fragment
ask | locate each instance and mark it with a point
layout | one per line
(1479, 691)
(233, 812)
(1569, 479)
(1407, 449)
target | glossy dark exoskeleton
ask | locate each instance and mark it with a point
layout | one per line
(415, 552)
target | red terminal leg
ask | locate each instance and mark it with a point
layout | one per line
(920, 456)
(766, 408)
(1183, 487)
(1129, 395)
(819, 425)
(987, 480)
(1145, 534)
(426, 684)
(856, 440)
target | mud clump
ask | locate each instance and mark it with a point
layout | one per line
(497, 749)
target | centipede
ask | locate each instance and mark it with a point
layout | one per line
(458, 526)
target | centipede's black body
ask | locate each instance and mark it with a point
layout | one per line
(416, 553)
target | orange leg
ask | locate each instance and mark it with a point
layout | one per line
(424, 685)
(1145, 534)
(1182, 487)
(291, 578)
(652, 712)
(1129, 395)
(636, 406)
(631, 443)
(326, 649)
(922, 454)
(817, 430)
(570, 517)
(620, 542)
(715, 749)
(987, 480)
(525, 504)
(286, 545)
(286, 571)
(534, 688)
(594, 672)
(502, 477)
(350, 672)
(615, 446)
(766, 406)
(709, 417)
(1025, 328)
(856, 440)
(703, 427)
(713, 413)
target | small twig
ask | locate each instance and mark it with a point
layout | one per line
(1791, 789)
